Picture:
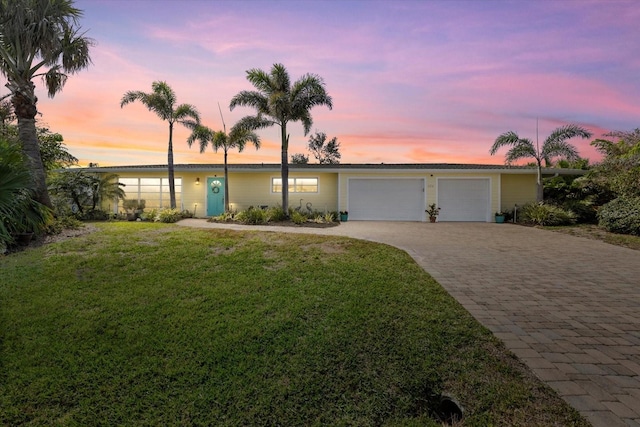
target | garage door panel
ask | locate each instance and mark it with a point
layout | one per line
(386, 199)
(464, 199)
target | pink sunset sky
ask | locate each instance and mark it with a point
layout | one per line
(411, 81)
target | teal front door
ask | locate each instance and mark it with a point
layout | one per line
(215, 196)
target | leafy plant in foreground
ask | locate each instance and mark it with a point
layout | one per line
(621, 215)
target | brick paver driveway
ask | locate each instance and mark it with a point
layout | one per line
(568, 307)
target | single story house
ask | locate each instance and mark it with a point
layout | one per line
(393, 192)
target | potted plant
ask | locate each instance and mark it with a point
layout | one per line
(499, 217)
(433, 212)
(344, 216)
(134, 208)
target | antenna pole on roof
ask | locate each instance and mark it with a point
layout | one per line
(537, 143)
(224, 127)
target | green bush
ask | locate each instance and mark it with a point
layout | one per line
(621, 215)
(149, 215)
(298, 218)
(276, 214)
(584, 209)
(94, 215)
(545, 214)
(168, 215)
(61, 223)
(252, 216)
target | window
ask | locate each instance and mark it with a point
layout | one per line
(154, 191)
(296, 185)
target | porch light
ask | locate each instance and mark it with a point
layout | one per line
(197, 181)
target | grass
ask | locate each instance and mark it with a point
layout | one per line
(153, 324)
(595, 232)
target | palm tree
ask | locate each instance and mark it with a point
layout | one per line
(162, 101)
(277, 102)
(39, 38)
(555, 145)
(237, 138)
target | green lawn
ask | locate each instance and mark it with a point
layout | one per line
(146, 324)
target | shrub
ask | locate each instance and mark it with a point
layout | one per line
(545, 214)
(252, 216)
(168, 215)
(59, 224)
(149, 215)
(94, 215)
(298, 218)
(621, 215)
(276, 213)
(584, 209)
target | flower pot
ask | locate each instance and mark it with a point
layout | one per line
(344, 217)
(432, 219)
(499, 219)
(23, 239)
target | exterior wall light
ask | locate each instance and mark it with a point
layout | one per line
(197, 181)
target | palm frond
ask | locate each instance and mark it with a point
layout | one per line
(203, 134)
(520, 151)
(248, 98)
(187, 115)
(279, 78)
(260, 80)
(567, 132)
(255, 122)
(506, 139)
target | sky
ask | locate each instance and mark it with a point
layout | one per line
(411, 81)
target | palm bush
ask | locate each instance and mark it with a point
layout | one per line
(621, 215)
(545, 214)
(19, 212)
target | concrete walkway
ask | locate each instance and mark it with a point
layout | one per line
(567, 306)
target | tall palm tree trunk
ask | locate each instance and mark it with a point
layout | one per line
(285, 169)
(172, 184)
(539, 186)
(226, 183)
(25, 110)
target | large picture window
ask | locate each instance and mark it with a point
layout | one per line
(154, 191)
(296, 185)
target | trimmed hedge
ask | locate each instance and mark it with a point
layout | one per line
(621, 215)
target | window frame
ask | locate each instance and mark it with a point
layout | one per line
(294, 185)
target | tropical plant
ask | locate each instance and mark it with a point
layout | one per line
(554, 146)
(278, 102)
(545, 214)
(39, 38)
(326, 152)
(168, 216)
(162, 101)
(621, 215)
(84, 190)
(52, 150)
(237, 137)
(19, 211)
(299, 159)
(433, 210)
(619, 170)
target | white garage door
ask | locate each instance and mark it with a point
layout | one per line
(464, 199)
(401, 199)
